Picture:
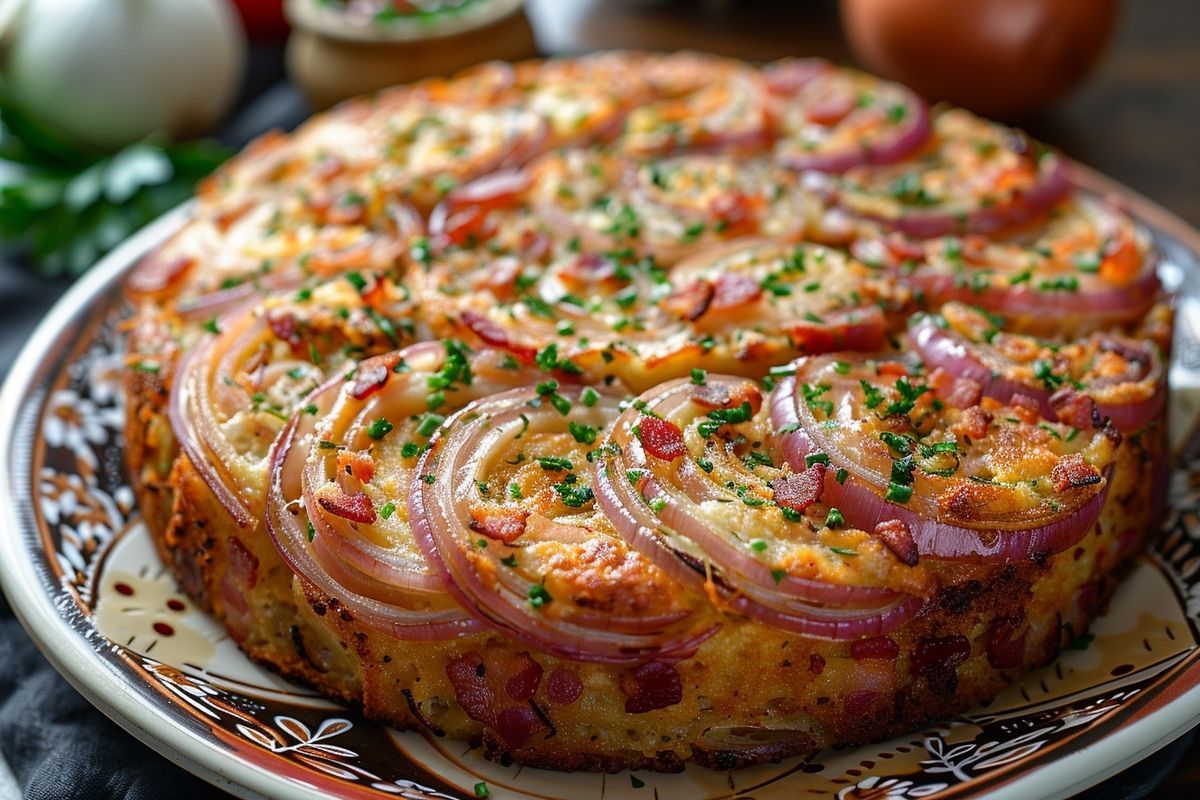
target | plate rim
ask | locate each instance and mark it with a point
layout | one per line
(73, 658)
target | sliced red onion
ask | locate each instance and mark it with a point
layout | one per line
(859, 497)
(677, 536)
(961, 358)
(802, 86)
(406, 615)
(500, 593)
(195, 389)
(1053, 185)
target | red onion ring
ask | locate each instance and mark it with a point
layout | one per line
(1053, 185)
(498, 594)
(679, 540)
(864, 507)
(287, 532)
(964, 359)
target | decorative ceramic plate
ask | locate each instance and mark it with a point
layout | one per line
(83, 576)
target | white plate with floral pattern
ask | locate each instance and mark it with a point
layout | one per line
(81, 573)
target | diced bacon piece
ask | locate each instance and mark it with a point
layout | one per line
(651, 686)
(357, 464)
(563, 686)
(1075, 409)
(897, 537)
(800, 490)
(661, 438)
(1072, 472)
(734, 289)
(688, 302)
(523, 683)
(501, 525)
(877, 647)
(355, 507)
(495, 335)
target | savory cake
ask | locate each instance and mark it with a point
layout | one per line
(629, 410)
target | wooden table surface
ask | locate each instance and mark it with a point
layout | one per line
(1135, 118)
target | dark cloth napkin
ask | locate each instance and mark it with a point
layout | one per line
(54, 745)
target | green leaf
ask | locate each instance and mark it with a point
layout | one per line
(133, 168)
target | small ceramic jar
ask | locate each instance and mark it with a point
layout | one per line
(342, 48)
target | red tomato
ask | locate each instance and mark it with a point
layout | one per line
(1001, 58)
(262, 19)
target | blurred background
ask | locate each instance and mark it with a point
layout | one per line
(110, 110)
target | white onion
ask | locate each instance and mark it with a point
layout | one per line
(111, 72)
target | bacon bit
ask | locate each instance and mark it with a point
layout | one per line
(501, 276)
(154, 273)
(243, 565)
(799, 490)
(1121, 261)
(225, 220)
(1005, 646)
(936, 653)
(534, 245)
(283, 324)
(501, 525)
(448, 227)
(493, 334)
(588, 269)
(468, 676)
(974, 248)
(831, 109)
(816, 663)
(563, 687)
(736, 210)
(905, 249)
(371, 377)
(860, 701)
(328, 167)
(358, 464)
(523, 684)
(953, 391)
(964, 501)
(897, 537)
(711, 395)
(651, 686)
(1072, 472)
(892, 369)
(475, 689)
(355, 507)
(517, 724)
(661, 438)
(1025, 408)
(733, 289)
(881, 647)
(974, 423)
(688, 302)
(1075, 408)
